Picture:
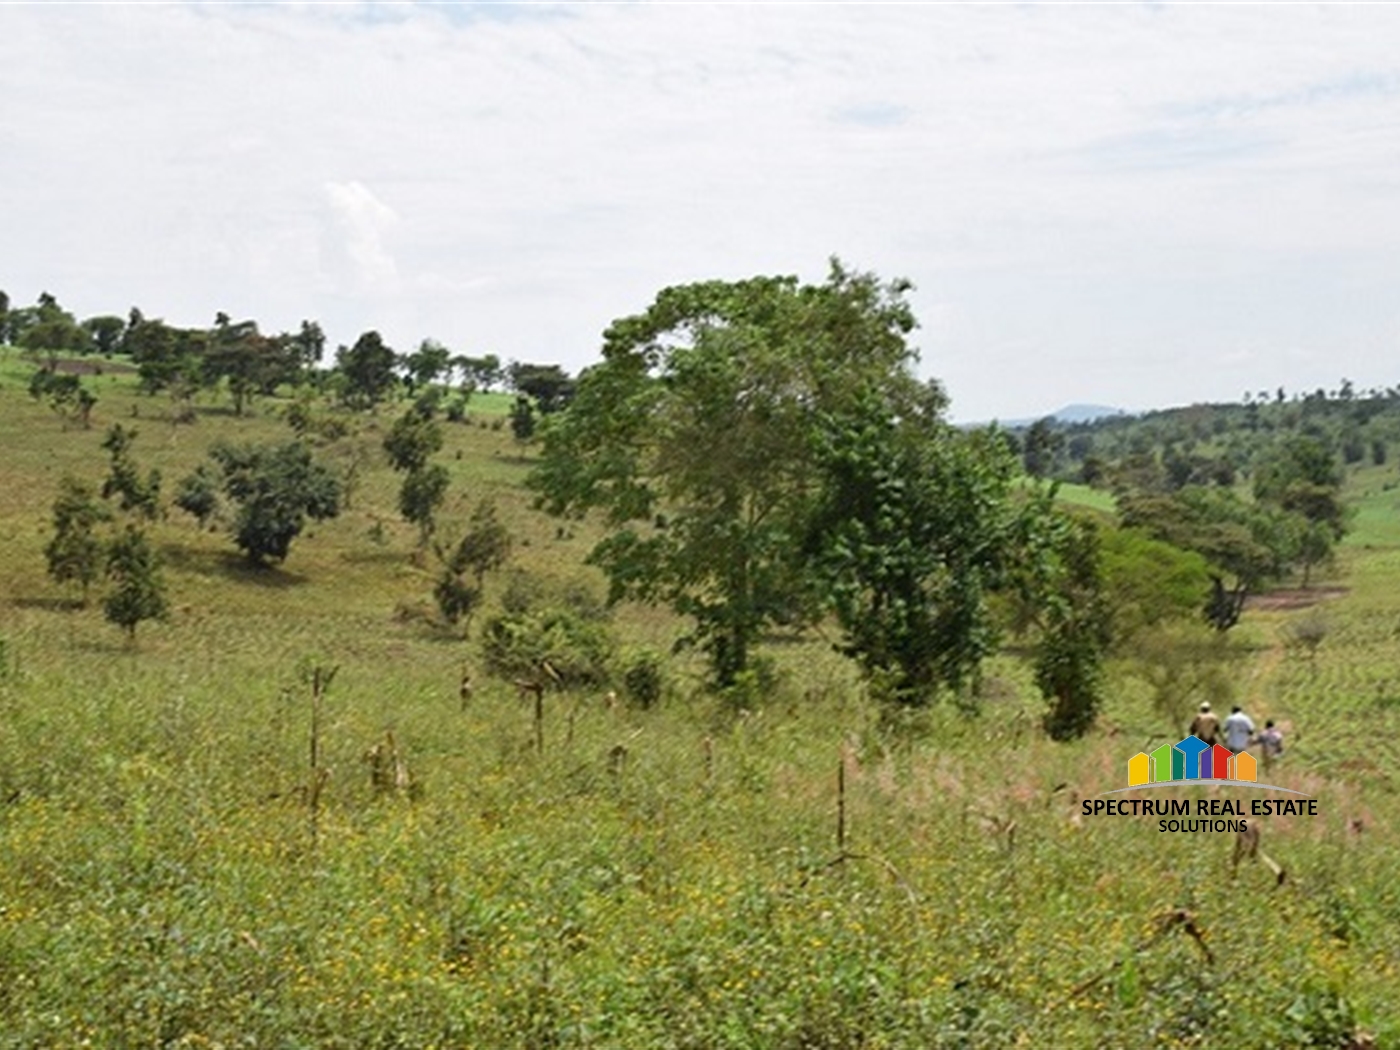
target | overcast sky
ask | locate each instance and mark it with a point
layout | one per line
(1137, 205)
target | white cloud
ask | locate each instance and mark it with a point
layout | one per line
(356, 240)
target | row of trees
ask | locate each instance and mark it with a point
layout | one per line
(237, 356)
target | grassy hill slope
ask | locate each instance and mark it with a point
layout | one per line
(173, 872)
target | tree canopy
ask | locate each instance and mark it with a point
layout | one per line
(763, 452)
(277, 488)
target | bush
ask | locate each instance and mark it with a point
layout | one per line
(643, 677)
(558, 642)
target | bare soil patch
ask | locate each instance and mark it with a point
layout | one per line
(1293, 598)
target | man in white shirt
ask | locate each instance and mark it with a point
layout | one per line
(1238, 730)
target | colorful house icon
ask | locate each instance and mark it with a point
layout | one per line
(1191, 759)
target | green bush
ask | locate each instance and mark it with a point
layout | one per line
(643, 677)
(568, 648)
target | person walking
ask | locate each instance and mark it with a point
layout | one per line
(1205, 725)
(1270, 741)
(1239, 730)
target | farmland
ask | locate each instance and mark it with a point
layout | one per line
(795, 865)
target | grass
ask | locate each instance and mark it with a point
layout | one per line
(163, 883)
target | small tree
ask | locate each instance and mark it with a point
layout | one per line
(414, 437)
(412, 440)
(75, 553)
(368, 367)
(67, 396)
(522, 419)
(1074, 625)
(484, 548)
(134, 493)
(430, 361)
(139, 593)
(421, 495)
(198, 494)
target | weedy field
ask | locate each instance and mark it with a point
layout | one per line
(194, 850)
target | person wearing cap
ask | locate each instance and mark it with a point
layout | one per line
(1206, 725)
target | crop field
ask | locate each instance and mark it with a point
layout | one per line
(193, 852)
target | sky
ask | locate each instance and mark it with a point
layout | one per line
(1134, 205)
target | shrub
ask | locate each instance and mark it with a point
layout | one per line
(643, 677)
(572, 650)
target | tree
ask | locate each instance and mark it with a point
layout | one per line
(1074, 624)
(695, 437)
(479, 373)
(420, 496)
(368, 367)
(67, 396)
(548, 386)
(426, 364)
(412, 440)
(1041, 447)
(1148, 583)
(277, 488)
(1250, 543)
(134, 493)
(139, 592)
(483, 549)
(913, 531)
(198, 494)
(167, 358)
(1303, 477)
(105, 332)
(308, 345)
(54, 329)
(240, 354)
(75, 553)
(522, 419)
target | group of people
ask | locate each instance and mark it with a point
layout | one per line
(1238, 732)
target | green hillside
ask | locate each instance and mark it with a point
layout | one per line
(196, 850)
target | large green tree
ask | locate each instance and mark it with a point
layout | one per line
(1304, 478)
(697, 437)
(1246, 543)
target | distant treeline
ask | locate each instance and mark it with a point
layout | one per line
(238, 356)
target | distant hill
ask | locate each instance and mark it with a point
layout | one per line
(1068, 414)
(1085, 413)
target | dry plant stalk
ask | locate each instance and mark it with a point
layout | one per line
(388, 769)
(321, 679)
(1247, 848)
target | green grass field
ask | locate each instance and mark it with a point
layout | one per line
(172, 874)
